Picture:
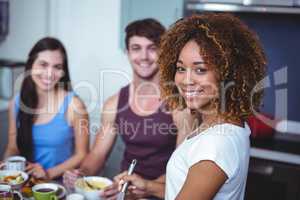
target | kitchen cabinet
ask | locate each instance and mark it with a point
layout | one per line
(11, 76)
(166, 11)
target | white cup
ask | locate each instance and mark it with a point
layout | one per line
(6, 192)
(15, 163)
(75, 196)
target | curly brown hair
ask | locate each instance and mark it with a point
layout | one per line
(230, 48)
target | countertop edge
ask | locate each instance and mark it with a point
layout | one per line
(275, 155)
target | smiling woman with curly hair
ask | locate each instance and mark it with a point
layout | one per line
(214, 65)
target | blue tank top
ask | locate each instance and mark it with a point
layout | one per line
(53, 141)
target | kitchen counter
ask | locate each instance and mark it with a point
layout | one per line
(274, 171)
(11, 63)
(279, 148)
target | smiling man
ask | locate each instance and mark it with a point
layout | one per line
(137, 113)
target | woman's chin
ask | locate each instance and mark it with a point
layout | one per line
(192, 105)
(202, 107)
(45, 88)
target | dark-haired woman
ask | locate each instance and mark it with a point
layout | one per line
(48, 123)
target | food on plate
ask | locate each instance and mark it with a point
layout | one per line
(89, 185)
(33, 181)
(12, 179)
(26, 190)
(16, 179)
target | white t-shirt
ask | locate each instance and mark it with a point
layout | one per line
(227, 145)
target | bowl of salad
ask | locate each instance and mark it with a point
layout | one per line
(16, 179)
(92, 186)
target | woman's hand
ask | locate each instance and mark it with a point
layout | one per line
(110, 192)
(70, 176)
(37, 171)
(137, 187)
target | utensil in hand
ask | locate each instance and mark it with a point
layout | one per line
(121, 195)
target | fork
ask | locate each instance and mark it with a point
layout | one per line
(121, 195)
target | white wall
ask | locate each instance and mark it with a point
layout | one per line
(90, 31)
(27, 23)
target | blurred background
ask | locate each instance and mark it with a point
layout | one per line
(93, 34)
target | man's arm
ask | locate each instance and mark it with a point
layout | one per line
(105, 139)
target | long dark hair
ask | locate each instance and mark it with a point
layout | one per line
(29, 98)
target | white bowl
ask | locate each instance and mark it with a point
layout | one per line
(91, 194)
(15, 186)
